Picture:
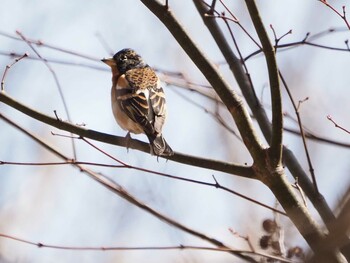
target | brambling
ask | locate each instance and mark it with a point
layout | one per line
(138, 100)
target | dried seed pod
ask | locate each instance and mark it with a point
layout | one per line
(295, 252)
(265, 242)
(269, 225)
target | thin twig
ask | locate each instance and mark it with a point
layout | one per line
(342, 16)
(58, 85)
(229, 11)
(291, 45)
(329, 117)
(233, 19)
(296, 109)
(7, 69)
(215, 115)
(278, 39)
(301, 102)
(108, 248)
(41, 43)
(229, 56)
(216, 184)
(240, 25)
(59, 61)
(68, 162)
(222, 16)
(317, 138)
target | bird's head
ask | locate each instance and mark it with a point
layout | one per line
(124, 60)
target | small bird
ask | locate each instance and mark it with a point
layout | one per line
(138, 100)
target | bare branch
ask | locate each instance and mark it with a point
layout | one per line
(121, 141)
(276, 97)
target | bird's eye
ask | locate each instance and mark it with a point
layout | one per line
(123, 58)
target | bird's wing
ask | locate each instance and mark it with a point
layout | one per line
(146, 79)
(134, 99)
(157, 99)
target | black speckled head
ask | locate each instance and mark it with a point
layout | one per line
(128, 59)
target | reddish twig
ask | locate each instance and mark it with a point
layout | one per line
(7, 69)
(233, 19)
(222, 16)
(341, 15)
(229, 11)
(329, 117)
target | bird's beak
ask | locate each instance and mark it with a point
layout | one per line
(109, 61)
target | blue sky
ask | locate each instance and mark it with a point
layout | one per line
(59, 205)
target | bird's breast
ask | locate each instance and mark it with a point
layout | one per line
(120, 116)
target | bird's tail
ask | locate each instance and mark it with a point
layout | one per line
(159, 146)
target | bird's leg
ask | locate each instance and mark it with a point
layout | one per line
(128, 139)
